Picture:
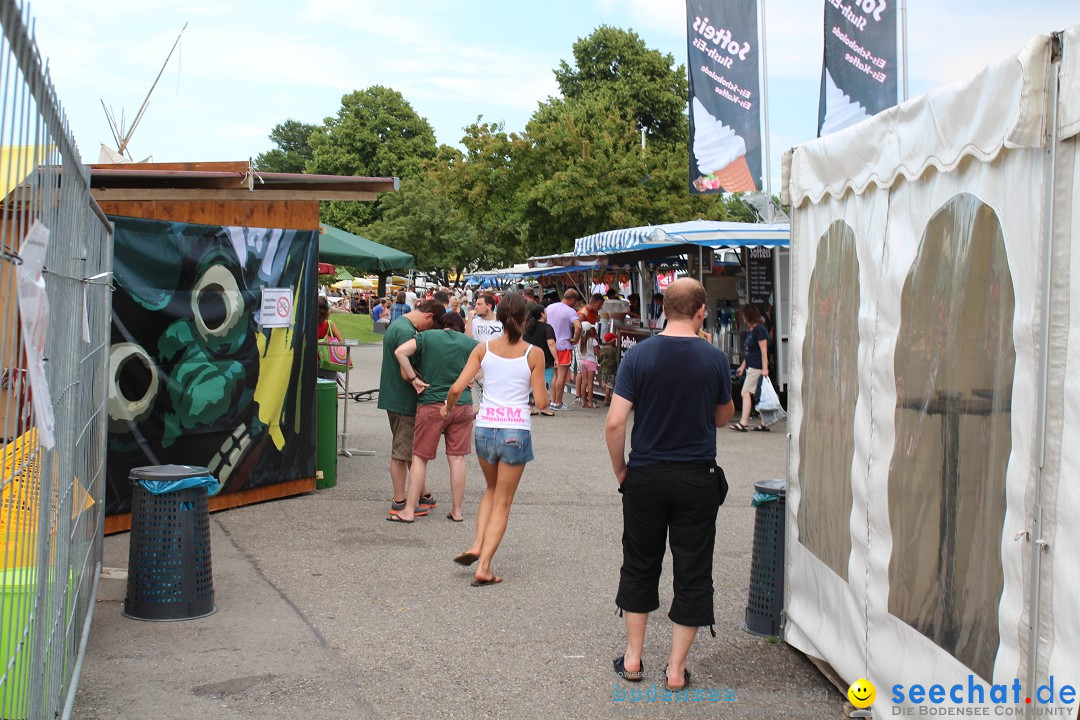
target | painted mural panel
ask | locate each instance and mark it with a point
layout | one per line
(194, 379)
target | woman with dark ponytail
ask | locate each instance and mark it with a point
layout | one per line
(539, 333)
(512, 367)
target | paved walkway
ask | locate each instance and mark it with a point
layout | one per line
(325, 610)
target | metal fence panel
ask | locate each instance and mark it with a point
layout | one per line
(51, 513)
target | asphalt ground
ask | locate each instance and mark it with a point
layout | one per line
(326, 610)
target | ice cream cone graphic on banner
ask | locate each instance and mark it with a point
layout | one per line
(840, 110)
(720, 155)
(736, 177)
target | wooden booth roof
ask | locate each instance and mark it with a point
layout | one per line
(225, 193)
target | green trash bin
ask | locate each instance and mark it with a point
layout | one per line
(326, 433)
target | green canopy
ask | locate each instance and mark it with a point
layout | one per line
(343, 248)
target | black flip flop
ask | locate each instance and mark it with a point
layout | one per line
(450, 516)
(627, 675)
(399, 519)
(686, 681)
(495, 580)
(762, 428)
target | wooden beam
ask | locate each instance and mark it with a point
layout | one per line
(103, 195)
(295, 215)
(233, 166)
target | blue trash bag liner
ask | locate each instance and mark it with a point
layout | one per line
(761, 498)
(160, 487)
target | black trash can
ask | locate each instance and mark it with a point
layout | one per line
(169, 565)
(766, 602)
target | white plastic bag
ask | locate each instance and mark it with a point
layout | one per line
(769, 404)
(769, 399)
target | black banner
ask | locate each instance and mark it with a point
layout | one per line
(858, 74)
(194, 379)
(759, 275)
(725, 95)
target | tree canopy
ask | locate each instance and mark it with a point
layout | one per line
(581, 164)
(617, 65)
(376, 133)
(293, 151)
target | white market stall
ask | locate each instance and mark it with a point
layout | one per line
(763, 285)
(935, 396)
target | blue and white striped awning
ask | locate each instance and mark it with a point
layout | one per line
(708, 233)
(560, 270)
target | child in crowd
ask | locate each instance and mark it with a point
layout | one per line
(587, 369)
(607, 363)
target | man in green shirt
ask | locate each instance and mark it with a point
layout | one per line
(398, 399)
(443, 354)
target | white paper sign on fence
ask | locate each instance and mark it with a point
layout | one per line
(34, 316)
(277, 308)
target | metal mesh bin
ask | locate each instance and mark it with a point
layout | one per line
(766, 601)
(169, 564)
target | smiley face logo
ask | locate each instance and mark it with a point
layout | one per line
(862, 693)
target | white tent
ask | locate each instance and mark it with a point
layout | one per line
(935, 396)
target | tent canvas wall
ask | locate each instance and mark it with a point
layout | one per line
(934, 389)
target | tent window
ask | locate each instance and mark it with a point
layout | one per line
(954, 366)
(831, 387)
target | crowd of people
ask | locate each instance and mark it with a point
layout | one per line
(515, 355)
(519, 351)
(431, 360)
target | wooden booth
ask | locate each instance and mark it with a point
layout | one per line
(201, 371)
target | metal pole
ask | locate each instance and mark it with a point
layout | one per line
(644, 302)
(765, 103)
(1049, 191)
(343, 450)
(903, 55)
(779, 328)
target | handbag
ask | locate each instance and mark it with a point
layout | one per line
(333, 357)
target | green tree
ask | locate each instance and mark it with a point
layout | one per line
(584, 173)
(645, 83)
(427, 225)
(375, 133)
(582, 169)
(482, 184)
(292, 152)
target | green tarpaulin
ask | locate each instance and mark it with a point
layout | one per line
(343, 248)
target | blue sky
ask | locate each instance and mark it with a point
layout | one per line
(245, 65)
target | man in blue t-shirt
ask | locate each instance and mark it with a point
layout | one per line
(679, 387)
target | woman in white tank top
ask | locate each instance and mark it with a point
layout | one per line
(512, 368)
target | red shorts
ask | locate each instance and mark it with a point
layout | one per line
(566, 357)
(457, 427)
